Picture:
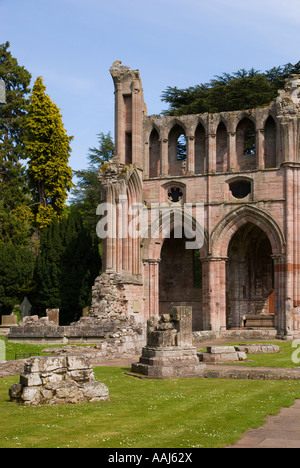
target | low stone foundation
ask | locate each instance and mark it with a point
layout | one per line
(222, 354)
(57, 380)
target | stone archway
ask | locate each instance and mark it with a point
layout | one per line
(249, 276)
(260, 236)
(180, 279)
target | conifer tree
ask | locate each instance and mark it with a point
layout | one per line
(66, 267)
(86, 195)
(16, 269)
(15, 215)
(48, 149)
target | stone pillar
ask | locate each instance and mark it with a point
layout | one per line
(214, 293)
(260, 148)
(151, 283)
(231, 145)
(212, 152)
(191, 154)
(164, 148)
(279, 290)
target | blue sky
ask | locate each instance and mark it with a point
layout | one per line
(73, 43)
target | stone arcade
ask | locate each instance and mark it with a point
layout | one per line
(245, 271)
(233, 180)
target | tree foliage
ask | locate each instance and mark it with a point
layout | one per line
(86, 195)
(16, 269)
(15, 215)
(66, 267)
(244, 89)
(48, 149)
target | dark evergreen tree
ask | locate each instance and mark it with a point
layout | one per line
(15, 214)
(229, 92)
(86, 195)
(66, 268)
(16, 269)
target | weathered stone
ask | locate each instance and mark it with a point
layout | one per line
(15, 391)
(169, 352)
(44, 382)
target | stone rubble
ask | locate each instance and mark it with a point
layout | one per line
(58, 380)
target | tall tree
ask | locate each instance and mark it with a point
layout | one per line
(14, 194)
(244, 89)
(86, 194)
(16, 270)
(48, 150)
(66, 267)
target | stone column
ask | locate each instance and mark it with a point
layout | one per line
(212, 152)
(214, 293)
(279, 290)
(231, 145)
(191, 154)
(260, 148)
(151, 281)
(164, 148)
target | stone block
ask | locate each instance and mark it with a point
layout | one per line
(58, 380)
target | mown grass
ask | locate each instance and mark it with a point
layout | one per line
(141, 413)
(147, 414)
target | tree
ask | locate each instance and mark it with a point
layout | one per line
(66, 267)
(48, 149)
(16, 269)
(14, 193)
(244, 89)
(86, 195)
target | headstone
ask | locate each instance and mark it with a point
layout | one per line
(9, 320)
(25, 308)
(53, 315)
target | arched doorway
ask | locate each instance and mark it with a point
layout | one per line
(180, 278)
(249, 275)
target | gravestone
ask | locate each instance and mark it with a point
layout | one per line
(9, 320)
(53, 315)
(25, 308)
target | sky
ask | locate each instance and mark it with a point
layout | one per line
(73, 43)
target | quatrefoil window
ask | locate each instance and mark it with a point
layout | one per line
(175, 194)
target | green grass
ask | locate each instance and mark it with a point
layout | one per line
(143, 413)
(11, 349)
(147, 413)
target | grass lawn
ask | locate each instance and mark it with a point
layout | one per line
(181, 413)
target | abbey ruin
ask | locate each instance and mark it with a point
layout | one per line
(239, 177)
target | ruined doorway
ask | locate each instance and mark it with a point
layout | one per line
(180, 278)
(249, 276)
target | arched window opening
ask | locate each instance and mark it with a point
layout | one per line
(270, 144)
(221, 164)
(181, 148)
(249, 141)
(200, 150)
(240, 189)
(246, 145)
(154, 154)
(177, 150)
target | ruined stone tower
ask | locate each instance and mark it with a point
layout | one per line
(232, 180)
